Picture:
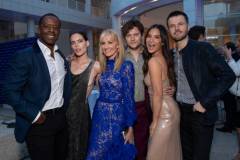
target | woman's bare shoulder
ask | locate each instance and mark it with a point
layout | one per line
(96, 67)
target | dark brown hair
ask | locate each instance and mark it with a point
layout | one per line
(130, 25)
(165, 51)
(177, 13)
(83, 34)
(196, 31)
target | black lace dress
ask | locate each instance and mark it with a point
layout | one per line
(78, 116)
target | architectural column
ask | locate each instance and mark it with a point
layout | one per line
(63, 3)
(116, 7)
(30, 27)
(116, 24)
(88, 7)
(233, 31)
(90, 39)
(194, 10)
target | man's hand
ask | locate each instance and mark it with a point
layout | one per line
(41, 119)
(169, 91)
(199, 108)
(227, 53)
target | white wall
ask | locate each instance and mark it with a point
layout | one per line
(159, 15)
(63, 42)
(37, 8)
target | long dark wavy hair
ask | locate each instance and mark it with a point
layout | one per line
(165, 51)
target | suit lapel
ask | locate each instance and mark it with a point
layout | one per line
(46, 75)
(66, 66)
(187, 63)
(67, 80)
(43, 64)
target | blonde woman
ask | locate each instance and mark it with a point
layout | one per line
(114, 113)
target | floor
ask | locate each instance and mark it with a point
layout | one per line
(223, 148)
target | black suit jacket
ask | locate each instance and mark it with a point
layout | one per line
(208, 75)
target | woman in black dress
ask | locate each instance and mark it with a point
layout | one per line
(84, 71)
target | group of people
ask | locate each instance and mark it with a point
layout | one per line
(231, 101)
(232, 111)
(138, 115)
(230, 52)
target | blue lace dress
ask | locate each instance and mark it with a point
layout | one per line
(114, 112)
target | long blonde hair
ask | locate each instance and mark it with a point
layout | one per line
(119, 57)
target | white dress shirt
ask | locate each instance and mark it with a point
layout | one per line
(57, 73)
(235, 66)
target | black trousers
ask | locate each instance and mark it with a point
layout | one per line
(230, 107)
(196, 137)
(49, 140)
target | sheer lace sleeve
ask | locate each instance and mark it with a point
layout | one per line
(128, 92)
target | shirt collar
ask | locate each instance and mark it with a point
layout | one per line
(129, 55)
(186, 47)
(129, 52)
(45, 49)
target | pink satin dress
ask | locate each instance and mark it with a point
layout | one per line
(165, 143)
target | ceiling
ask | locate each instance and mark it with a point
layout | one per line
(144, 6)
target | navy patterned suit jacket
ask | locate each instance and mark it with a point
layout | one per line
(27, 87)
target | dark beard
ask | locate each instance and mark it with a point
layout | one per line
(181, 38)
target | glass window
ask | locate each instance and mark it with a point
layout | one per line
(20, 30)
(12, 30)
(222, 20)
(6, 30)
(77, 4)
(101, 8)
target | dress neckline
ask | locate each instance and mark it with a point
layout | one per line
(110, 60)
(84, 69)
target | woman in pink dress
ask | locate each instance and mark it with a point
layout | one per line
(164, 141)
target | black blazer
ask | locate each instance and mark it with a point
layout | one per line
(28, 87)
(208, 75)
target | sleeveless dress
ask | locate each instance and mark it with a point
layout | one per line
(165, 142)
(113, 113)
(78, 116)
